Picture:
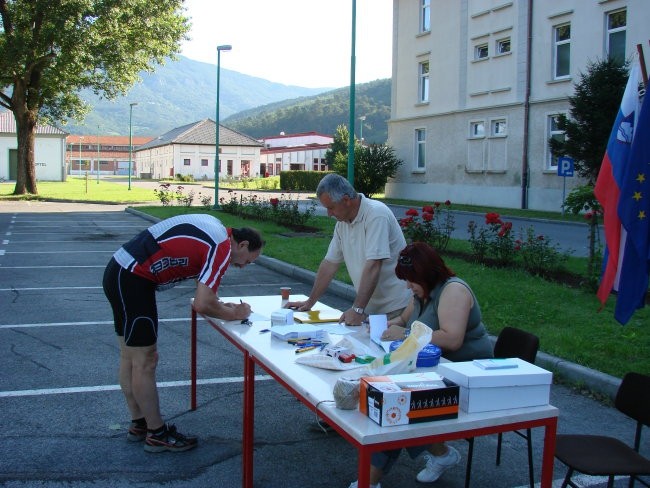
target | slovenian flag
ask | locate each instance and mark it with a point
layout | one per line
(619, 271)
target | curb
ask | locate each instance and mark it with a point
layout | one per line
(576, 374)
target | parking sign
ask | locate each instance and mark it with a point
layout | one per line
(565, 166)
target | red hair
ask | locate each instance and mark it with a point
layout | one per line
(421, 264)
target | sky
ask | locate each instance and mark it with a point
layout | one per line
(304, 43)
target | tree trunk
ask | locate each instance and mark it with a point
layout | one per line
(26, 121)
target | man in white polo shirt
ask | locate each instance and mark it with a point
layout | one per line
(368, 238)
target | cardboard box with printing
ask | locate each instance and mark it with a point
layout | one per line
(408, 398)
(484, 389)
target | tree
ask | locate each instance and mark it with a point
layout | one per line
(338, 147)
(373, 165)
(594, 106)
(50, 49)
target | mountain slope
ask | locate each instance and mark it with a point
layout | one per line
(178, 93)
(184, 91)
(321, 113)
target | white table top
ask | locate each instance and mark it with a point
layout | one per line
(316, 384)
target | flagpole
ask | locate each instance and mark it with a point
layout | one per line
(644, 73)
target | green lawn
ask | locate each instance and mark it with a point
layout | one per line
(82, 189)
(566, 319)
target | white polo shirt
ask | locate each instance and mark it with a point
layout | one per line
(373, 234)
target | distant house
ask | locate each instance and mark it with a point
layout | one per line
(49, 150)
(189, 150)
(304, 151)
(84, 151)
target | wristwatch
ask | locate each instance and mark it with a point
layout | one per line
(358, 310)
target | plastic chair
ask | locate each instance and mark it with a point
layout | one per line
(511, 343)
(597, 455)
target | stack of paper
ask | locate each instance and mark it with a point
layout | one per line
(322, 317)
(495, 363)
(297, 331)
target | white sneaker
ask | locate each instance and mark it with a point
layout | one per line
(355, 484)
(436, 465)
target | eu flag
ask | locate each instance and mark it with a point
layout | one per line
(634, 214)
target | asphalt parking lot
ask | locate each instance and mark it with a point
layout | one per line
(64, 419)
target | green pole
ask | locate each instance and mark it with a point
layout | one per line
(98, 155)
(352, 102)
(131, 105)
(225, 47)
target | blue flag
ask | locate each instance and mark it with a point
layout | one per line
(634, 214)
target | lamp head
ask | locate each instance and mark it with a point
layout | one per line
(224, 47)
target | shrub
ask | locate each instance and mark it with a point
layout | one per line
(537, 255)
(493, 242)
(283, 210)
(164, 194)
(434, 226)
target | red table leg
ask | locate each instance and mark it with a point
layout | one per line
(248, 421)
(193, 360)
(548, 456)
(363, 468)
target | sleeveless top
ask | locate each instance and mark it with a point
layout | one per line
(476, 344)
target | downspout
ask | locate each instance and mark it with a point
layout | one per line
(524, 159)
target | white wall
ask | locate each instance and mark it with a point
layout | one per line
(489, 170)
(49, 155)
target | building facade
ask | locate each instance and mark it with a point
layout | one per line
(190, 150)
(304, 151)
(49, 150)
(477, 87)
(108, 155)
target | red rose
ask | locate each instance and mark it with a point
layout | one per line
(427, 209)
(427, 217)
(492, 218)
(412, 211)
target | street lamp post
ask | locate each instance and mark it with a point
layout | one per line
(80, 141)
(131, 105)
(223, 47)
(352, 95)
(362, 119)
(98, 155)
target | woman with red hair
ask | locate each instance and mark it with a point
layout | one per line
(447, 304)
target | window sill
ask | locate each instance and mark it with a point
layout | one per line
(418, 172)
(559, 80)
(480, 60)
(422, 104)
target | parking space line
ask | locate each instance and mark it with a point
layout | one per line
(64, 324)
(93, 389)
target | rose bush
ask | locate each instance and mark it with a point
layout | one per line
(434, 226)
(284, 210)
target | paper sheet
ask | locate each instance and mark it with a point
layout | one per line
(378, 324)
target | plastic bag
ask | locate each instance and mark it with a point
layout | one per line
(404, 358)
(322, 360)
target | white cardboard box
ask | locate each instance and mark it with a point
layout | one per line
(482, 390)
